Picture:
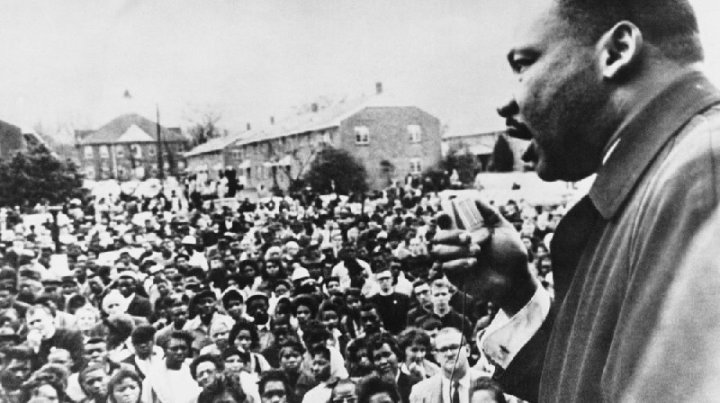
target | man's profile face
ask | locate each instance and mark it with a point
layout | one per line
(559, 97)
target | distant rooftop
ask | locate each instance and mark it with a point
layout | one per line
(129, 128)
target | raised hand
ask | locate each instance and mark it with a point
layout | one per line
(490, 263)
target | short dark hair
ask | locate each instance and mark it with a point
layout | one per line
(186, 336)
(219, 364)
(671, 25)
(225, 384)
(320, 350)
(275, 375)
(413, 335)
(142, 334)
(244, 325)
(373, 385)
(486, 383)
(376, 342)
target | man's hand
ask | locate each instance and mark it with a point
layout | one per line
(490, 263)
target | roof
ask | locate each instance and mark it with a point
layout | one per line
(216, 144)
(130, 128)
(325, 118)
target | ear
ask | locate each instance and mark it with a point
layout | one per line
(620, 49)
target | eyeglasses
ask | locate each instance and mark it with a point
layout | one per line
(274, 393)
(345, 399)
(446, 349)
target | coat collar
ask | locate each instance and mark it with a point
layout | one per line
(643, 135)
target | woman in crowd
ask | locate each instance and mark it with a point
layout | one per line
(125, 386)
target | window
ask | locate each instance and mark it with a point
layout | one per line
(415, 132)
(104, 153)
(362, 135)
(120, 151)
(90, 172)
(415, 166)
(136, 150)
(89, 154)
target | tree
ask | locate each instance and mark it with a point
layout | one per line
(336, 170)
(460, 160)
(502, 158)
(38, 175)
(205, 127)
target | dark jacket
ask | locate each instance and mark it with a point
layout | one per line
(615, 254)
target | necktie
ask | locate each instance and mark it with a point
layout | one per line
(456, 393)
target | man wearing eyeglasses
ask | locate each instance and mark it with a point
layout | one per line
(452, 383)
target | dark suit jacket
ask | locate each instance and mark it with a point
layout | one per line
(405, 384)
(140, 306)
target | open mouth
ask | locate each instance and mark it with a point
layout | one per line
(517, 130)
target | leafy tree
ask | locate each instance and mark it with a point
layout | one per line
(502, 158)
(460, 160)
(38, 175)
(334, 169)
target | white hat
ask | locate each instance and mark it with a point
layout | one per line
(299, 273)
(189, 240)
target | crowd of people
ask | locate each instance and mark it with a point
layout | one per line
(283, 300)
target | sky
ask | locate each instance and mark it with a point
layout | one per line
(67, 64)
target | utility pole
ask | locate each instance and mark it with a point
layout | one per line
(161, 168)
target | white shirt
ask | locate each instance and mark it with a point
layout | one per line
(505, 335)
(321, 393)
(448, 388)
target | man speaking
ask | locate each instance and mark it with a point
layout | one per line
(612, 88)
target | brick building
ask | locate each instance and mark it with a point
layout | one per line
(391, 141)
(126, 148)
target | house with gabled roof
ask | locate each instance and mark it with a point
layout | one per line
(127, 148)
(391, 139)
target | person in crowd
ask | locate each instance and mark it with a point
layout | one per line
(93, 380)
(43, 336)
(146, 354)
(417, 346)
(321, 372)
(274, 388)
(376, 389)
(440, 292)
(393, 307)
(136, 305)
(178, 315)
(422, 305)
(344, 391)
(206, 369)
(244, 337)
(225, 389)
(17, 369)
(485, 390)
(455, 376)
(386, 357)
(125, 386)
(170, 380)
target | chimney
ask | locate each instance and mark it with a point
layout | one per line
(314, 107)
(378, 88)
(272, 120)
(248, 126)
